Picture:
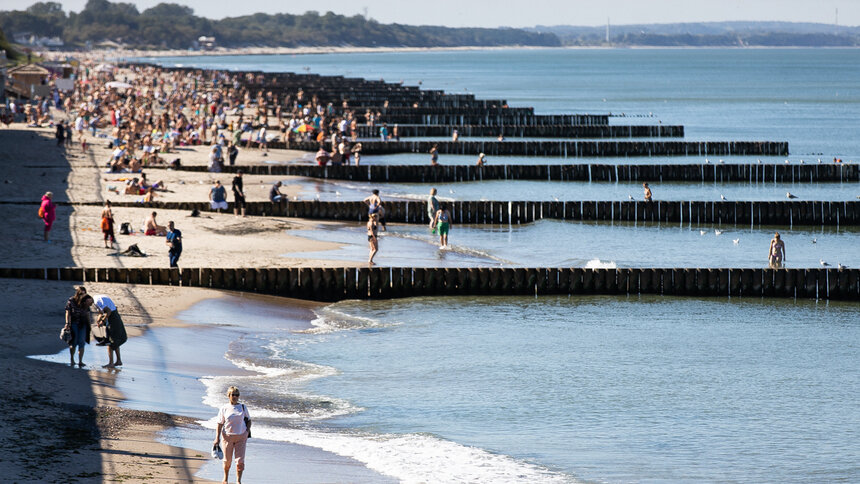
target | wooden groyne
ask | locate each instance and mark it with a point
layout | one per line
(720, 173)
(781, 213)
(579, 149)
(520, 131)
(335, 284)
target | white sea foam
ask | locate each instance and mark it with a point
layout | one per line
(331, 320)
(599, 264)
(420, 458)
(296, 372)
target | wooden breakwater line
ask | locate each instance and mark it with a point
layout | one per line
(335, 284)
(565, 149)
(699, 172)
(782, 213)
(520, 131)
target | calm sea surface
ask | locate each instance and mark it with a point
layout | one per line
(585, 389)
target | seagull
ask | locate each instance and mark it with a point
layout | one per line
(759, 162)
(814, 241)
(450, 191)
(840, 266)
(736, 241)
(786, 162)
(706, 160)
(630, 197)
(555, 198)
(721, 161)
(702, 232)
(789, 195)
(722, 197)
(337, 193)
(801, 162)
(823, 263)
(718, 232)
(819, 161)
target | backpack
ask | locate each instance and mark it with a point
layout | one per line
(41, 212)
(125, 228)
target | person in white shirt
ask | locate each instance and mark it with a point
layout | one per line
(234, 427)
(116, 334)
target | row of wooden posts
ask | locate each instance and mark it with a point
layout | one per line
(697, 172)
(564, 149)
(338, 283)
(785, 213)
(517, 131)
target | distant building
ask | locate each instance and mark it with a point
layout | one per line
(29, 80)
(206, 43)
(32, 40)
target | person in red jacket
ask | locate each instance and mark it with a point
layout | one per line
(48, 212)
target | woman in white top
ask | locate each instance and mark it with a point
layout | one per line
(234, 426)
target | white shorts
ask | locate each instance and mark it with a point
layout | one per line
(217, 205)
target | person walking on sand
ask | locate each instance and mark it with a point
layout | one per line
(442, 222)
(107, 226)
(78, 321)
(238, 194)
(432, 208)
(218, 197)
(776, 253)
(372, 236)
(174, 244)
(48, 213)
(234, 427)
(109, 316)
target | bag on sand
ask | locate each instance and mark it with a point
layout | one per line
(217, 453)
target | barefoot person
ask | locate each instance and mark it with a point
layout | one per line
(776, 253)
(78, 320)
(151, 226)
(374, 207)
(218, 197)
(234, 427)
(108, 315)
(434, 154)
(442, 222)
(373, 236)
(238, 195)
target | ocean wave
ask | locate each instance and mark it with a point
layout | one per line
(420, 458)
(330, 320)
(451, 248)
(271, 397)
(599, 264)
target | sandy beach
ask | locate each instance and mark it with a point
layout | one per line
(79, 418)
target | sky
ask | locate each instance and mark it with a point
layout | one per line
(494, 13)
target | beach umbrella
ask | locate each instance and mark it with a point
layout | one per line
(118, 85)
(304, 128)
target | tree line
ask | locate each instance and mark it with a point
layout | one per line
(170, 25)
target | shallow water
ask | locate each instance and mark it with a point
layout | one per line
(334, 190)
(554, 243)
(561, 389)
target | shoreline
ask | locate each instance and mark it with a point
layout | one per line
(123, 54)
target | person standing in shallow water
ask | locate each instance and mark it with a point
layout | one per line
(373, 236)
(108, 315)
(647, 191)
(234, 427)
(776, 253)
(442, 222)
(432, 208)
(78, 320)
(434, 155)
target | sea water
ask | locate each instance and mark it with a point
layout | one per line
(566, 389)
(594, 389)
